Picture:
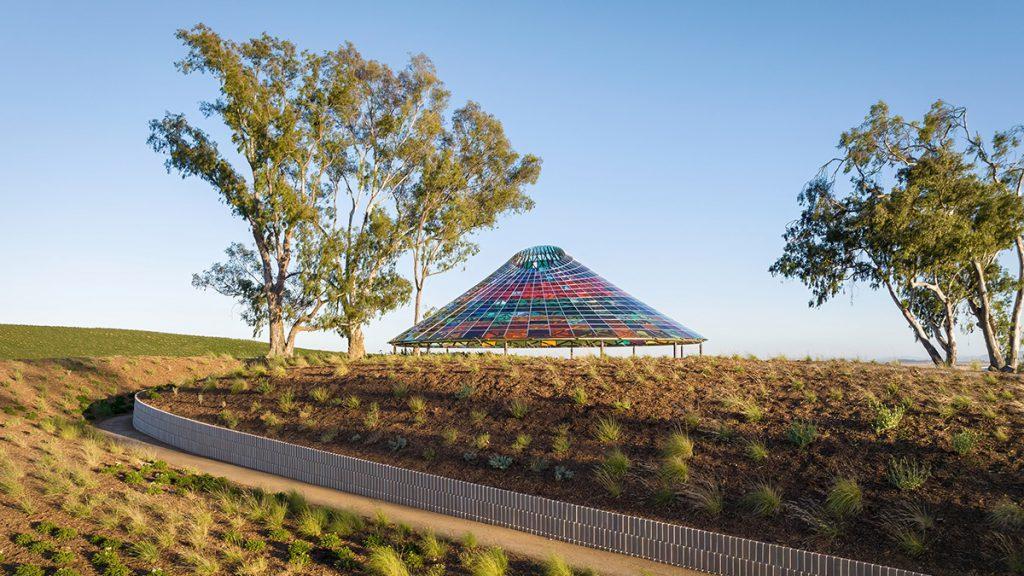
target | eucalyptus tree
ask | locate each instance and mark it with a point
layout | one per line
(920, 219)
(471, 179)
(266, 87)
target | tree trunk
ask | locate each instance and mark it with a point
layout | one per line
(356, 342)
(1018, 305)
(915, 325)
(278, 345)
(983, 311)
(416, 309)
(289, 347)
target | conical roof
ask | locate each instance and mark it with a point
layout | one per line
(543, 297)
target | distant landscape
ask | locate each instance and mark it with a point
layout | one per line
(22, 342)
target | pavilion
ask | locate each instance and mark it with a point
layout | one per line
(542, 298)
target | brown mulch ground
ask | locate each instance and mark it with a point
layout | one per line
(651, 398)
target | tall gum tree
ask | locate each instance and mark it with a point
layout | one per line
(473, 178)
(263, 92)
(920, 219)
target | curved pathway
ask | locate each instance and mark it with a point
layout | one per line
(606, 563)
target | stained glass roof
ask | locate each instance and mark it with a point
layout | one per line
(543, 297)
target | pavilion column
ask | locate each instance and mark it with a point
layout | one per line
(700, 350)
(506, 348)
(394, 349)
(634, 351)
(570, 352)
(602, 349)
(674, 350)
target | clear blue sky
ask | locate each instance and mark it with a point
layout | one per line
(675, 140)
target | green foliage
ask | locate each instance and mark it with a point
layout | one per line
(748, 408)
(757, 451)
(28, 570)
(385, 561)
(678, 445)
(578, 395)
(518, 408)
(499, 462)
(964, 442)
(907, 474)
(908, 526)
(764, 500)
(612, 470)
(372, 418)
(555, 565)
(845, 498)
(1007, 515)
(417, 404)
(320, 394)
(32, 342)
(801, 434)
(929, 209)
(607, 431)
(888, 417)
(433, 548)
(705, 494)
(489, 562)
(482, 441)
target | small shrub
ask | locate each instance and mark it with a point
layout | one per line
(845, 499)
(62, 556)
(557, 566)
(270, 420)
(622, 405)
(749, 409)
(397, 443)
(465, 392)
(705, 495)
(298, 553)
(145, 551)
(563, 473)
(964, 442)
(238, 385)
(764, 500)
(29, 570)
(522, 442)
(907, 474)
(385, 561)
(477, 417)
(329, 540)
(560, 445)
(1007, 515)
(678, 445)
(578, 395)
(320, 394)
(673, 472)
(228, 418)
(286, 401)
(311, 522)
(888, 418)
(607, 431)
(518, 408)
(822, 522)
(254, 545)
(908, 526)
(345, 560)
(482, 441)
(399, 389)
(65, 533)
(490, 562)
(612, 471)
(417, 405)
(372, 418)
(801, 434)
(450, 436)
(757, 451)
(433, 548)
(499, 462)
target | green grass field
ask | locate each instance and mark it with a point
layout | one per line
(20, 342)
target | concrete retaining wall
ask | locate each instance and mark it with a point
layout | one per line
(602, 529)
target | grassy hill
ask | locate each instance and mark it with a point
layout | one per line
(23, 342)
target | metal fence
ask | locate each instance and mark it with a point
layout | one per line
(641, 537)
